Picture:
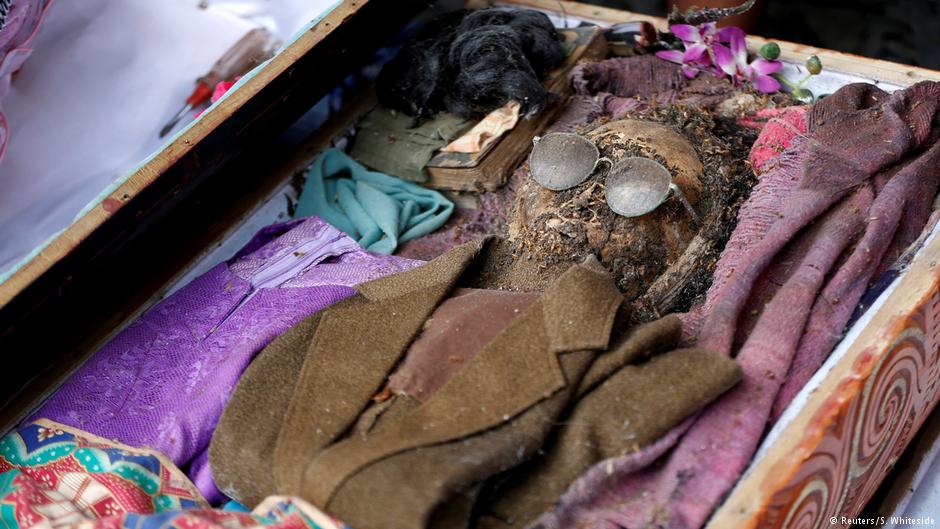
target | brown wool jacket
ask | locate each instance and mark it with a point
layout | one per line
(555, 392)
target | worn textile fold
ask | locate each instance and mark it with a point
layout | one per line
(823, 219)
(376, 209)
(162, 382)
(400, 145)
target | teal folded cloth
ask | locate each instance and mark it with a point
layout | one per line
(234, 506)
(376, 209)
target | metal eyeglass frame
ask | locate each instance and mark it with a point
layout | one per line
(635, 185)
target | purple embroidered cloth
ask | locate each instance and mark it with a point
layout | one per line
(163, 381)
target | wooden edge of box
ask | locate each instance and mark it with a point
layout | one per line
(875, 69)
(897, 490)
(145, 175)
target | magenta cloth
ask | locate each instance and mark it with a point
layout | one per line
(840, 203)
(779, 127)
(17, 31)
(163, 381)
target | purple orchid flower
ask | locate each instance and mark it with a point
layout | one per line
(734, 63)
(721, 52)
(698, 42)
(692, 61)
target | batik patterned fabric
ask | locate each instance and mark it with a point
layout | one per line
(163, 381)
(275, 512)
(53, 476)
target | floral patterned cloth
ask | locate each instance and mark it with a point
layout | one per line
(52, 474)
(55, 477)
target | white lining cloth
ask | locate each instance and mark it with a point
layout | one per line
(105, 75)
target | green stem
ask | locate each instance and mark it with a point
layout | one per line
(793, 85)
(789, 83)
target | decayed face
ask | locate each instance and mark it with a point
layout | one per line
(563, 226)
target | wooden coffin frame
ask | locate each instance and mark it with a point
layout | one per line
(94, 276)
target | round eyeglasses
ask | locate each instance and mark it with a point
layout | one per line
(634, 186)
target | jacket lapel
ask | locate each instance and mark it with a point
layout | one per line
(518, 369)
(357, 343)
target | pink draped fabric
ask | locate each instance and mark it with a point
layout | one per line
(838, 205)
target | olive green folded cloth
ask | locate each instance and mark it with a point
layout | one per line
(555, 391)
(394, 143)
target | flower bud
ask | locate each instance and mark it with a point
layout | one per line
(770, 51)
(813, 65)
(804, 95)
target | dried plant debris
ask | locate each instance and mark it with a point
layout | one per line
(695, 16)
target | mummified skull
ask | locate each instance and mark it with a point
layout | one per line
(656, 141)
(550, 229)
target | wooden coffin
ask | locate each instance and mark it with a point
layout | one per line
(224, 175)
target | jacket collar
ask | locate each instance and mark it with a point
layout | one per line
(443, 272)
(579, 308)
(584, 287)
(357, 346)
(357, 343)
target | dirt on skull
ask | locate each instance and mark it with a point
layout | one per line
(662, 261)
